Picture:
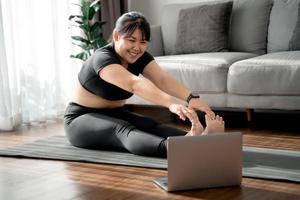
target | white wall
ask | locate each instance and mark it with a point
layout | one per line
(152, 9)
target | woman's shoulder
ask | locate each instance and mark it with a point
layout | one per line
(145, 58)
(104, 56)
(108, 48)
(106, 51)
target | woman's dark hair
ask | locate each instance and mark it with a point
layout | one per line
(129, 22)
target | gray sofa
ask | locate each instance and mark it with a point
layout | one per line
(260, 68)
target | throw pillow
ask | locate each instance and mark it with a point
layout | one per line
(249, 26)
(284, 27)
(203, 28)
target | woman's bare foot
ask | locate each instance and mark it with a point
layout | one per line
(196, 128)
(214, 125)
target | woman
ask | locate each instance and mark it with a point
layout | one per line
(97, 118)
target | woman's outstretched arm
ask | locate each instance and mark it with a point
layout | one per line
(171, 86)
(117, 75)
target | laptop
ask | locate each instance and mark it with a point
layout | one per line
(208, 161)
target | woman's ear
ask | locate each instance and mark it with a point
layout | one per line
(115, 35)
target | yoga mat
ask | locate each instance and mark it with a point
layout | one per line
(257, 162)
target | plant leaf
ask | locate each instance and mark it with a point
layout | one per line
(73, 16)
(96, 5)
(97, 24)
(84, 46)
(96, 29)
(98, 43)
(81, 39)
(82, 56)
(85, 28)
(92, 12)
(79, 22)
(85, 4)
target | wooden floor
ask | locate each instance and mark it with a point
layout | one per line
(54, 180)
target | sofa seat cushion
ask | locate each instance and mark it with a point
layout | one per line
(269, 74)
(203, 72)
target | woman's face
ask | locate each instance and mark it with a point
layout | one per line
(130, 47)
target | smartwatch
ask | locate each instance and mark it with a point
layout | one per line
(192, 95)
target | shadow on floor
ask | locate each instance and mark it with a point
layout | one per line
(277, 121)
(261, 120)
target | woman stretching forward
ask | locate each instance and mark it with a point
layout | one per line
(97, 118)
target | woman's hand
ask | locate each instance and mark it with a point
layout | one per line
(179, 110)
(197, 104)
(184, 112)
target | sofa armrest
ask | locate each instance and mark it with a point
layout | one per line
(155, 47)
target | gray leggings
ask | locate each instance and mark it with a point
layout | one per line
(116, 129)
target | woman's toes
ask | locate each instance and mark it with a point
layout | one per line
(220, 118)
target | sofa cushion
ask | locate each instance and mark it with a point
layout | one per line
(284, 27)
(269, 74)
(204, 72)
(170, 14)
(249, 25)
(203, 28)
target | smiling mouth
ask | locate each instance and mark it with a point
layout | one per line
(133, 54)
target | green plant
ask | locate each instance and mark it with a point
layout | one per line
(91, 29)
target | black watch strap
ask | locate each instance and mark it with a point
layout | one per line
(192, 96)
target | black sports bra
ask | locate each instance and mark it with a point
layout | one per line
(91, 81)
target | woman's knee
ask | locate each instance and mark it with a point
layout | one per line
(87, 132)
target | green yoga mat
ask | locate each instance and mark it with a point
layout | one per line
(257, 162)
